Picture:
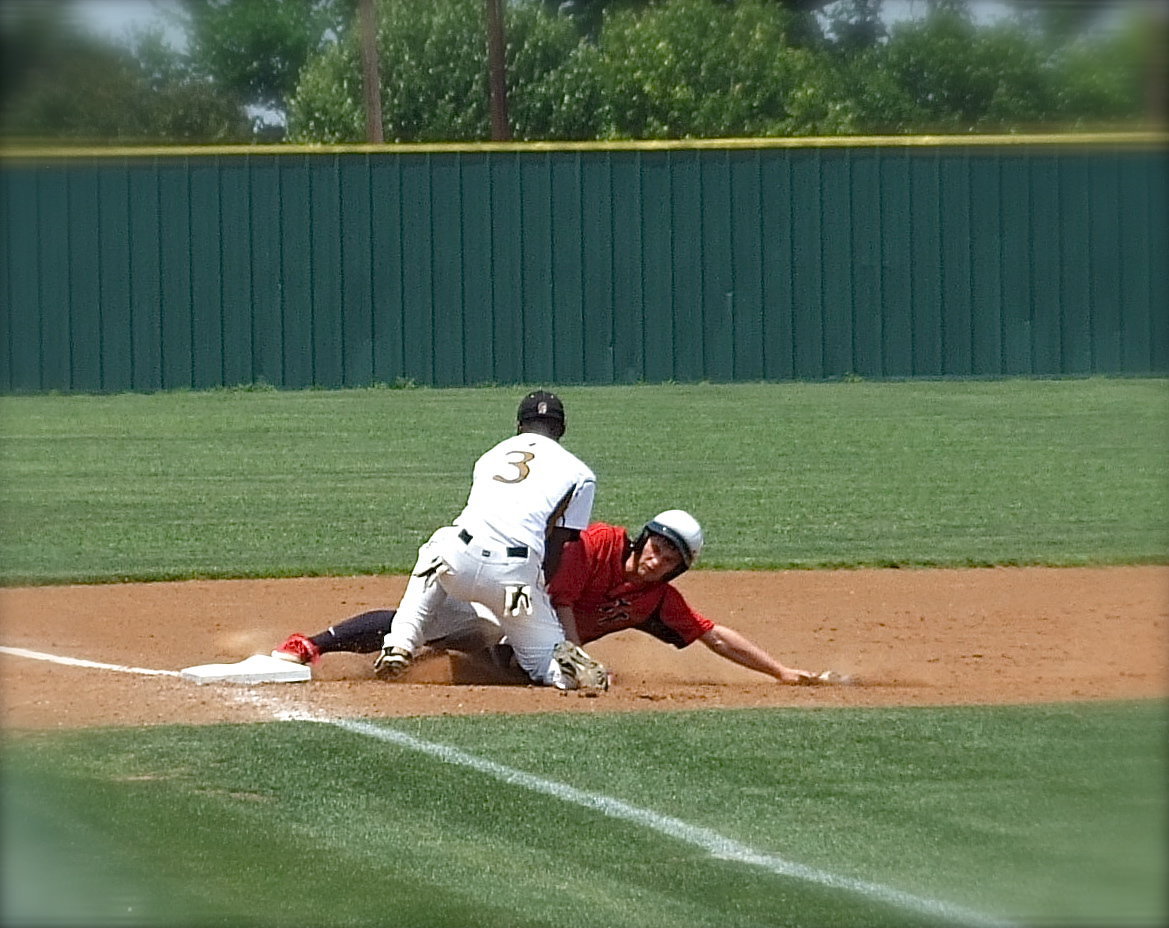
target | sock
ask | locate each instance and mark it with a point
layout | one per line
(361, 634)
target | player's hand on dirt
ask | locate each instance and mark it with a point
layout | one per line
(790, 675)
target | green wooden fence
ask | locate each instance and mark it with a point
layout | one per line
(148, 269)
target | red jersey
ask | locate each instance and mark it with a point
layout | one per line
(591, 579)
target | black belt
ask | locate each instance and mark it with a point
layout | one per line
(517, 551)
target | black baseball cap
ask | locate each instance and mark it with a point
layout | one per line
(541, 405)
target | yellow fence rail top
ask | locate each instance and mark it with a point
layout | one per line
(12, 150)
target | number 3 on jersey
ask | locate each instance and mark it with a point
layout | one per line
(520, 464)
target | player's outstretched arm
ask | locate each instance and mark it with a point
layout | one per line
(735, 647)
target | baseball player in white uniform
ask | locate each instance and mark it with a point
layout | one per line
(528, 496)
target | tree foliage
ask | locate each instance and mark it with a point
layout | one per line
(255, 50)
(961, 78)
(716, 68)
(577, 69)
(61, 83)
(684, 68)
(694, 68)
(944, 73)
(434, 80)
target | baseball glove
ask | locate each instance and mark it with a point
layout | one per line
(590, 677)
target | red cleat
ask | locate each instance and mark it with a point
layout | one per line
(298, 648)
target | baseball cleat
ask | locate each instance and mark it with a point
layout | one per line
(579, 668)
(299, 649)
(391, 663)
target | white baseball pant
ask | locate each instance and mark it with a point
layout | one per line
(503, 588)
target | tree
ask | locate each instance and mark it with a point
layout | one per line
(643, 69)
(681, 68)
(855, 26)
(432, 60)
(555, 90)
(1114, 79)
(434, 76)
(958, 77)
(694, 68)
(255, 50)
(60, 83)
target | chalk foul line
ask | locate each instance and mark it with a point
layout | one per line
(78, 662)
(717, 845)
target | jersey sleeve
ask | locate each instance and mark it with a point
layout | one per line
(580, 506)
(675, 622)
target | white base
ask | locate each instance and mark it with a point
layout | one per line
(259, 668)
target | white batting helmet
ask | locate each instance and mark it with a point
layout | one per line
(682, 531)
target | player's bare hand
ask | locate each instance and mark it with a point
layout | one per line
(790, 675)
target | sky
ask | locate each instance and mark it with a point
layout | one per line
(114, 17)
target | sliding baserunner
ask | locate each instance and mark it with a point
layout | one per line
(605, 582)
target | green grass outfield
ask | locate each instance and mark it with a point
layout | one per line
(1050, 815)
(264, 483)
(900, 817)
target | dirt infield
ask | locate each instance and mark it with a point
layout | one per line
(912, 637)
